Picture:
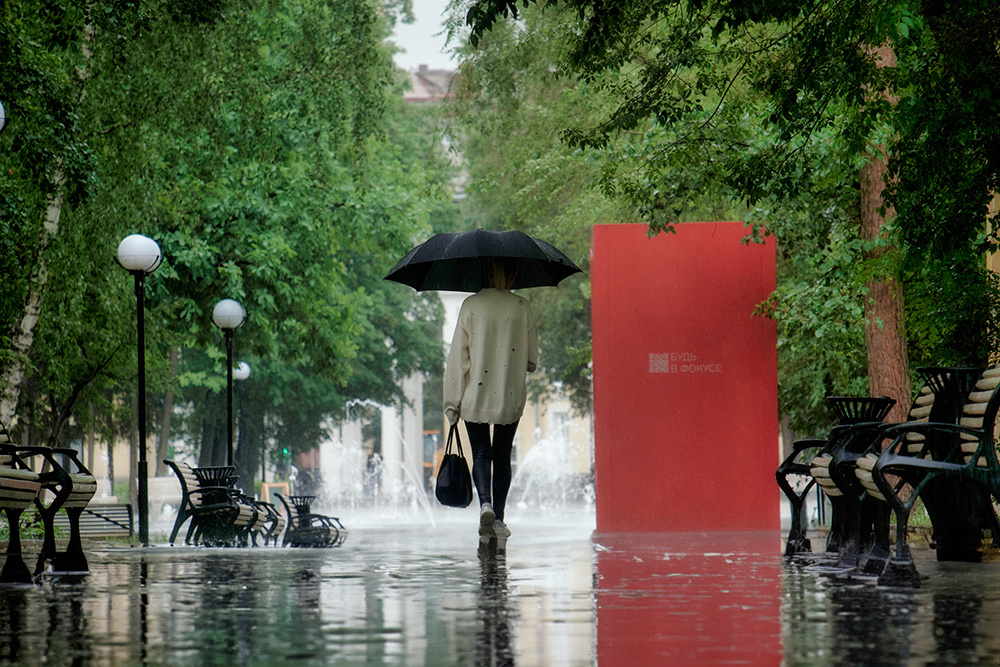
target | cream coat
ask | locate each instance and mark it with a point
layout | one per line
(495, 346)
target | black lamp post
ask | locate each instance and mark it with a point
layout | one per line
(140, 255)
(228, 316)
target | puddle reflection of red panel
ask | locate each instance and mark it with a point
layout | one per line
(682, 599)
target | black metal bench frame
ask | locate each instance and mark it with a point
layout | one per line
(797, 467)
(268, 524)
(904, 475)
(306, 529)
(206, 500)
(861, 538)
(71, 491)
(859, 419)
(16, 498)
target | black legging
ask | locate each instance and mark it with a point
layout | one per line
(498, 454)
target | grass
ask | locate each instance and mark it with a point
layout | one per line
(31, 527)
(918, 515)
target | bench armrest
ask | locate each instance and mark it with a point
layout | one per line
(899, 430)
(58, 474)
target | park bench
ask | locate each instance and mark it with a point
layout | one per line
(862, 537)
(64, 484)
(220, 513)
(257, 525)
(207, 501)
(794, 477)
(810, 462)
(952, 466)
(268, 525)
(306, 529)
(19, 487)
(69, 486)
(110, 520)
(859, 526)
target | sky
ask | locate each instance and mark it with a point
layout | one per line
(423, 44)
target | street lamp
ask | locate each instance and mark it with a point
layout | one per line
(242, 371)
(3, 117)
(140, 255)
(228, 316)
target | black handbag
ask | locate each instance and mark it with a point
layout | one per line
(454, 483)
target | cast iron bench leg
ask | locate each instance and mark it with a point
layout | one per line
(14, 570)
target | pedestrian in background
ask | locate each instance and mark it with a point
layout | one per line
(494, 347)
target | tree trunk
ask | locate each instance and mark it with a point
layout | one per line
(213, 433)
(250, 440)
(24, 330)
(885, 328)
(91, 440)
(168, 409)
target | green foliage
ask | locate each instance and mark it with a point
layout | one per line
(945, 163)
(30, 526)
(508, 115)
(765, 110)
(262, 145)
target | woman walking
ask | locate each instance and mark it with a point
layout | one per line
(494, 347)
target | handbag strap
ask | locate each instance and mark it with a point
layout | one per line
(453, 433)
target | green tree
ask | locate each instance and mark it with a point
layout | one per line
(251, 142)
(758, 91)
(47, 54)
(506, 119)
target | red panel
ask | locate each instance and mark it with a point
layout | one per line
(685, 380)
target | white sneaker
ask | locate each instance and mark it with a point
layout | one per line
(487, 517)
(502, 532)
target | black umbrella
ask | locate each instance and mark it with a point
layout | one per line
(459, 261)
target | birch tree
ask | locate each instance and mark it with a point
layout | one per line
(250, 143)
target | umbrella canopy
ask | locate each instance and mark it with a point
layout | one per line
(459, 262)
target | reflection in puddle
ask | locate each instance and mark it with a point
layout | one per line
(419, 595)
(688, 599)
(729, 599)
(405, 595)
(952, 619)
(494, 610)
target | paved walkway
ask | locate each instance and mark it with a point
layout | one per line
(412, 592)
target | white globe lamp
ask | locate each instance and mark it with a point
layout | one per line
(139, 254)
(228, 314)
(242, 371)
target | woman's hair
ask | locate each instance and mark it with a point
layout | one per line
(501, 272)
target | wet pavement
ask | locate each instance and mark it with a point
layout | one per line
(409, 592)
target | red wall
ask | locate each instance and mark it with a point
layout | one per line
(685, 380)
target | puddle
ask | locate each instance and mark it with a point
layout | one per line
(412, 594)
